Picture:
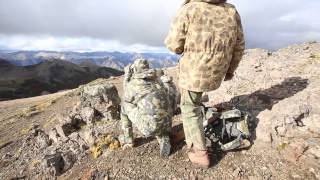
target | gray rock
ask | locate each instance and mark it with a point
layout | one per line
(64, 119)
(315, 152)
(88, 136)
(82, 145)
(71, 139)
(74, 136)
(53, 135)
(54, 164)
(58, 163)
(88, 115)
(42, 140)
(62, 132)
(104, 98)
(68, 159)
(6, 156)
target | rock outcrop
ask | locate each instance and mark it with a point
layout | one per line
(281, 91)
(101, 100)
(76, 134)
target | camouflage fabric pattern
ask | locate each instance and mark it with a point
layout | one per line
(145, 103)
(209, 35)
(172, 91)
(192, 117)
(126, 128)
(236, 123)
(238, 129)
(230, 130)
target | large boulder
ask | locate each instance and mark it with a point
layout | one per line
(103, 98)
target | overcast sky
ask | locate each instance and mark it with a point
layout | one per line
(141, 25)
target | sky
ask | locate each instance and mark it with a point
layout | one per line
(142, 25)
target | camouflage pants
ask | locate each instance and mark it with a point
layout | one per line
(148, 125)
(192, 118)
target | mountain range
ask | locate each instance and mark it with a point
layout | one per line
(117, 60)
(47, 77)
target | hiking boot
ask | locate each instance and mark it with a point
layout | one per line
(199, 157)
(126, 142)
(165, 145)
(127, 146)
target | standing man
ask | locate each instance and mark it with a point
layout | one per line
(209, 35)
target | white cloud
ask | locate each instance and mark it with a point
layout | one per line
(274, 24)
(141, 25)
(50, 43)
(288, 17)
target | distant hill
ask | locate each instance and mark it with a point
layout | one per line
(4, 63)
(47, 77)
(117, 60)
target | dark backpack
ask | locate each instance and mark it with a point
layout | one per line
(228, 130)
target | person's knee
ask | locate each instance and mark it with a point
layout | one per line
(148, 131)
(156, 126)
(191, 95)
(191, 111)
(125, 121)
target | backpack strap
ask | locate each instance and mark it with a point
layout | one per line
(232, 145)
(223, 128)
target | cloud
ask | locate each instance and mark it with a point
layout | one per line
(127, 21)
(50, 43)
(142, 24)
(274, 24)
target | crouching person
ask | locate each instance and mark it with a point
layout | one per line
(146, 106)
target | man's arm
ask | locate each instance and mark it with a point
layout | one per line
(238, 49)
(176, 38)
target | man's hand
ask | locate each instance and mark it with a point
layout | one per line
(228, 77)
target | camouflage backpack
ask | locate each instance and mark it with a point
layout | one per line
(145, 99)
(228, 130)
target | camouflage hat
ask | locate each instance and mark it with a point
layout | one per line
(208, 1)
(140, 65)
(159, 72)
(186, 2)
(166, 79)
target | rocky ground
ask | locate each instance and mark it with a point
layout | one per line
(279, 89)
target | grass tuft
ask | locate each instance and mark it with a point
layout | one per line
(106, 142)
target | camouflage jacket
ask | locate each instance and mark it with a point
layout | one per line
(209, 35)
